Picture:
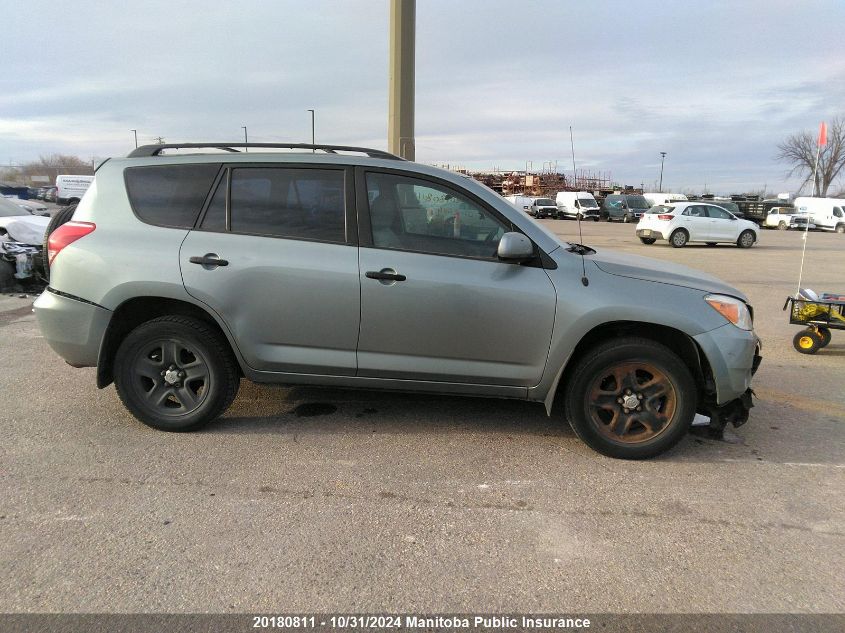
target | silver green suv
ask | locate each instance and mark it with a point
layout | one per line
(180, 273)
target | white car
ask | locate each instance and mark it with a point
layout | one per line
(685, 222)
(33, 207)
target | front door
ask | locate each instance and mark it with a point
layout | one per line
(275, 260)
(436, 303)
(723, 226)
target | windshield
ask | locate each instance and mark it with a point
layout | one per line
(544, 202)
(588, 203)
(637, 202)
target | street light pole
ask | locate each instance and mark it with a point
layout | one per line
(313, 142)
(243, 127)
(662, 157)
(136, 137)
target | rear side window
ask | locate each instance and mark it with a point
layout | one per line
(289, 202)
(169, 195)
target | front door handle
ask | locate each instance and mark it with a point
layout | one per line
(209, 261)
(386, 274)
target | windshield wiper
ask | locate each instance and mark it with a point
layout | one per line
(574, 247)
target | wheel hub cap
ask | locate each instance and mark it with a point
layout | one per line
(631, 402)
(171, 376)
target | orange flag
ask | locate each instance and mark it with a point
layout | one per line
(822, 134)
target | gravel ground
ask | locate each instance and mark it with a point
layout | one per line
(417, 503)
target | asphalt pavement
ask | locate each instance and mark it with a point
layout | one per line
(306, 499)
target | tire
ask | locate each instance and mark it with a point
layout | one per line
(612, 370)
(648, 240)
(61, 216)
(595, 219)
(175, 344)
(746, 239)
(825, 335)
(840, 228)
(807, 342)
(782, 226)
(679, 238)
(711, 243)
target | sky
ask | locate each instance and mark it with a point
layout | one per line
(714, 84)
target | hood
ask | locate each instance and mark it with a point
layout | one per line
(647, 269)
(26, 229)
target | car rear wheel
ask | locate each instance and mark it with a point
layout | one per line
(175, 373)
(746, 239)
(648, 240)
(840, 228)
(630, 398)
(679, 238)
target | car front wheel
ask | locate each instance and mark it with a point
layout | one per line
(648, 240)
(175, 373)
(631, 398)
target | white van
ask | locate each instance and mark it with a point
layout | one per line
(533, 206)
(664, 198)
(70, 189)
(828, 214)
(571, 204)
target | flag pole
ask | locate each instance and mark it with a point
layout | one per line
(822, 141)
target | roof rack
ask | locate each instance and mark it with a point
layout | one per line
(155, 150)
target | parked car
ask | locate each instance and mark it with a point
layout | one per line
(533, 206)
(374, 272)
(655, 199)
(728, 205)
(575, 204)
(624, 207)
(780, 218)
(686, 222)
(50, 194)
(33, 207)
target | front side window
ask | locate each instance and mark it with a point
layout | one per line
(837, 212)
(289, 202)
(696, 212)
(718, 213)
(416, 215)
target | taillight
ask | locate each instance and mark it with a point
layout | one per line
(66, 234)
(664, 216)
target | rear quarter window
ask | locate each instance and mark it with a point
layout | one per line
(169, 195)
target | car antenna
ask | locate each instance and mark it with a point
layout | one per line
(584, 279)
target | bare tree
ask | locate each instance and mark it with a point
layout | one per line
(799, 150)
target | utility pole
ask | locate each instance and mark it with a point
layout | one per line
(313, 142)
(136, 137)
(662, 157)
(574, 173)
(246, 140)
(400, 120)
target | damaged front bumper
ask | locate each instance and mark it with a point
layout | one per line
(733, 356)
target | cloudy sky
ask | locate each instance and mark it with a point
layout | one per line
(715, 84)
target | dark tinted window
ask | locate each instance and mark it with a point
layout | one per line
(169, 195)
(215, 216)
(418, 215)
(289, 202)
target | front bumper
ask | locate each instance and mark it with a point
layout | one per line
(73, 327)
(734, 357)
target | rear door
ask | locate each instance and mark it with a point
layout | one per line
(697, 223)
(275, 256)
(436, 303)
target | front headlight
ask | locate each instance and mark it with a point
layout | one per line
(732, 309)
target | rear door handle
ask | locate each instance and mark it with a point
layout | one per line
(385, 275)
(209, 261)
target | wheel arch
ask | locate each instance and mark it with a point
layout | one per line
(676, 340)
(137, 310)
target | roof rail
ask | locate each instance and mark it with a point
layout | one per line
(155, 150)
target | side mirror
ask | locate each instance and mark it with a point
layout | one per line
(515, 247)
